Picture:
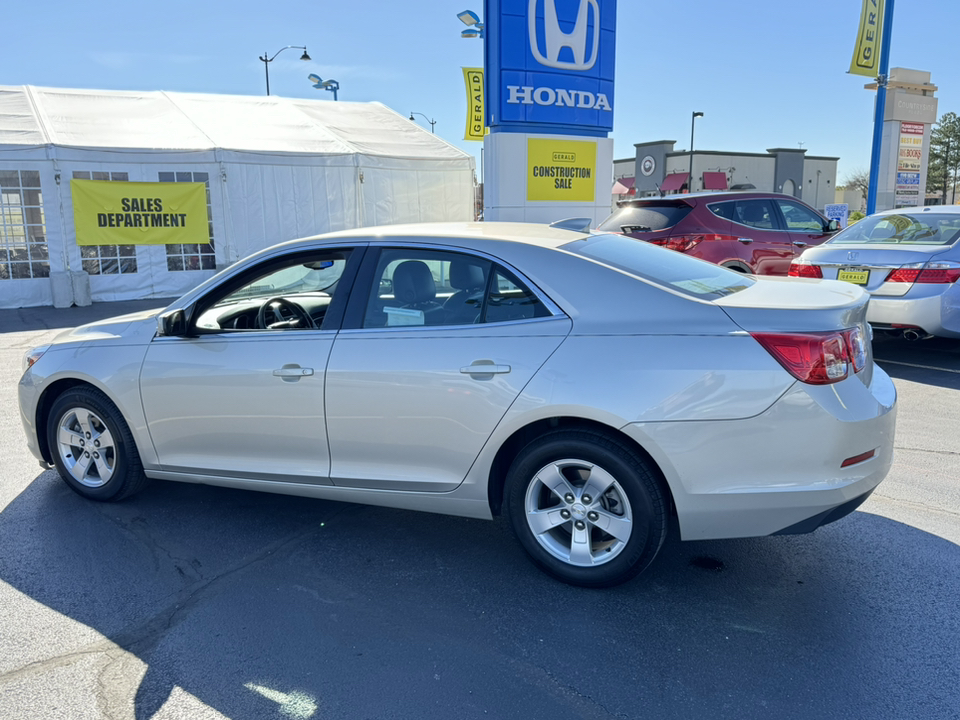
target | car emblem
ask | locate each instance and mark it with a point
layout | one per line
(852, 255)
(556, 39)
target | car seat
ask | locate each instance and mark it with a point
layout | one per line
(470, 281)
(415, 289)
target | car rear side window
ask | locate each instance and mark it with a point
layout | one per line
(645, 218)
(663, 267)
(724, 209)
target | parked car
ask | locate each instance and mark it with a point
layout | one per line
(750, 232)
(909, 262)
(592, 388)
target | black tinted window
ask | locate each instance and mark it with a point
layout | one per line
(755, 213)
(724, 210)
(645, 218)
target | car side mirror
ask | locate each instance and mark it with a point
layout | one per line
(832, 226)
(172, 324)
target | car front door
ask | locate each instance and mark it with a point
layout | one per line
(429, 360)
(244, 396)
(806, 227)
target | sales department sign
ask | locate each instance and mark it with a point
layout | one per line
(139, 213)
(550, 66)
(561, 170)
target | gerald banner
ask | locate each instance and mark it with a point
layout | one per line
(139, 213)
(866, 52)
(473, 79)
(561, 170)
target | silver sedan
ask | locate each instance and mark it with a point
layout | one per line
(591, 388)
(909, 262)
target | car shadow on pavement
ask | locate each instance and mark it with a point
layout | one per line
(265, 606)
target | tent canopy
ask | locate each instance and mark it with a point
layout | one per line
(160, 121)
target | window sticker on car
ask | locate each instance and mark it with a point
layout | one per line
(403, 316)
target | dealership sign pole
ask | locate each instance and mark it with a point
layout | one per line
(874, 13)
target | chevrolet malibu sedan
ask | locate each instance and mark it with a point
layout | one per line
(592, 389)
(909, 262)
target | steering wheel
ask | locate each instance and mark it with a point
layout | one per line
(272, 306)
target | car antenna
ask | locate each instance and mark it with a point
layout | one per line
(659, 190)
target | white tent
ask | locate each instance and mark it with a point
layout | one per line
(276, 168)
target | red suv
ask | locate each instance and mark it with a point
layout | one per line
(752, 232)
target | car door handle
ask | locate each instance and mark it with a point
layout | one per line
(799, 243)
(292, 373)
(485, 368)
(745, 241)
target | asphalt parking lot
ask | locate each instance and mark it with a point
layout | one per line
(198, 602)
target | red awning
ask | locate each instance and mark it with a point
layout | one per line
(674, 181)
(714, 181)
(624, 186)
(628, 181)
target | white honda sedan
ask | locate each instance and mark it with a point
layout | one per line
(592, 388)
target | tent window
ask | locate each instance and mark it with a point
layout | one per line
(23, 239)
(187, 256)
(107, 259)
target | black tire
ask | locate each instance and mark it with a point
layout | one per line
(107, 471)
(584, 460)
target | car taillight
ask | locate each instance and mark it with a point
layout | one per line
(686, 243)
(927, 273)
(857, 347)
(816, 358)
(805, 270)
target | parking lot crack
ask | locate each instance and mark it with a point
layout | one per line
(925, 450)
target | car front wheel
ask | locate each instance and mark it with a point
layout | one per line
(92, 446)
(588, 510)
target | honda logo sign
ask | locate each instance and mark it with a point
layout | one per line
(555, 39)
(550, 66)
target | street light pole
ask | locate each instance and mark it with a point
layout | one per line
(693, 120)
(432, 122)
(267, 61)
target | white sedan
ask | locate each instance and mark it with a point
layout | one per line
(592, 388)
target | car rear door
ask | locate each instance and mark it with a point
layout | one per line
(759, 226)
(413, 392)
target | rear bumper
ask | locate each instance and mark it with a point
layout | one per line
(779, 472)
(937, 314)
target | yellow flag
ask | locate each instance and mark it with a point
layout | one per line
(473, 79)
(866, 53)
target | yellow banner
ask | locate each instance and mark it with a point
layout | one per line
(139, 213)
(866, 53)
(561, 170)
(473, 79)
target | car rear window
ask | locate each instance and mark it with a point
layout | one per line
(663, 267)
(906, 228)
(645, 218)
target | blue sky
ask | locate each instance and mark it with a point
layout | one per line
(765, 73)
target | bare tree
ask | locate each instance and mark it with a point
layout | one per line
(859, 179)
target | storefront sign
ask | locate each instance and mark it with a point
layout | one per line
(138, 213)
(551, 65)
(473, 80)
(561, 170)
(866, 52)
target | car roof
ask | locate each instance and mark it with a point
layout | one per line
(943, 209)
(712, 195)
(526, 233)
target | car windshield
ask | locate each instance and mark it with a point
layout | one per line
(907, 228)
(663, 267)
(645, 218)
(318, 276)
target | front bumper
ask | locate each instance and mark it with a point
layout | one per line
(778, 472)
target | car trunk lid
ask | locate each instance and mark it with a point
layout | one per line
(869, 264)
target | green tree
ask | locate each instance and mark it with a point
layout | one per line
(943, 166)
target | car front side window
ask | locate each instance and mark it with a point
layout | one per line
(800, 218)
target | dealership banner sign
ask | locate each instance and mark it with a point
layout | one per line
(561, 170)
(476, 127)
(866, 52)
(139, 213)
(550, 66)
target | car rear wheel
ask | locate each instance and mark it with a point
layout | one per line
(92, 447)
(587, 510)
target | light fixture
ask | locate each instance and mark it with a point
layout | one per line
(266, 61)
